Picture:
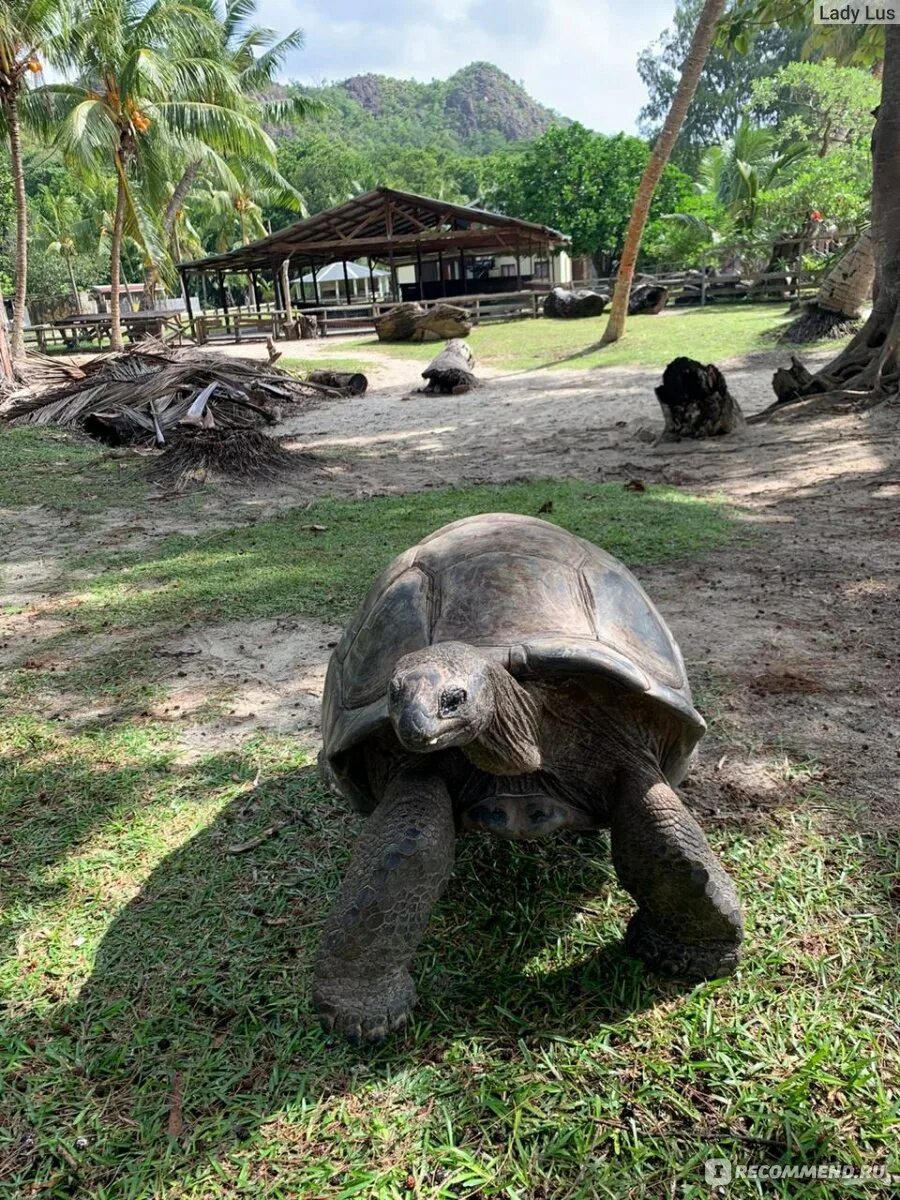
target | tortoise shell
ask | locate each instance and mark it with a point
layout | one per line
(528, 594)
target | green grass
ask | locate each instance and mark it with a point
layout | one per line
(157, 1038)
(301, 365)
(285, 567)
(61, 470)
(711, 334)
(282, 566)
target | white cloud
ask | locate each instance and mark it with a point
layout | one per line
(578, 56)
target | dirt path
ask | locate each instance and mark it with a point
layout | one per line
(791, 637)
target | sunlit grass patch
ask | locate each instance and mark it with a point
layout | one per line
(711, 334)
(317, 561)
(158, 1038)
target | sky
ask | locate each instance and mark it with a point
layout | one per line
(577, 56)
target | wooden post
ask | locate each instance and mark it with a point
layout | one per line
(441, 272)
(462, 270)
(224, 299)
(254, 280)
(347, 281)
(315, 283)
(187, 302)
(518, 271)
(395, 287)
(286, 296)
(419, 270)
(372, 280)
(302, 289)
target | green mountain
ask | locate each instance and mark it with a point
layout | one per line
(476, 111)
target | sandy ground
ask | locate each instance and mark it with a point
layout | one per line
(791, 638)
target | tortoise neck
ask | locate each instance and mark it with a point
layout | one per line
(509, 745)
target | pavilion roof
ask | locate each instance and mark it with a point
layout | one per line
(386, 224)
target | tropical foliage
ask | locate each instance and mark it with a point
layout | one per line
(582, 183)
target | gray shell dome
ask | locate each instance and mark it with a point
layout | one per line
(529, 594)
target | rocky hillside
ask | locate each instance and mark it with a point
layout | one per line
(476, 111)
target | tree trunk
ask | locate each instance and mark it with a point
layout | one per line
(178, 197)
(115, 264)
(451, 371)
(413, 323)
(659, 157)
(354, 383)
(867, 370)
(17, 337)
(696, 402)
(147, 302)
(73, 284)
(836, 310)
(7, 375)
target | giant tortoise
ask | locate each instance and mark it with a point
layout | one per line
(506, 676)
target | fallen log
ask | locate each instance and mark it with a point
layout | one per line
(696, 402)
(414, 323)
(351, 383)
(580, 302)
(450, 372)
(647, 299)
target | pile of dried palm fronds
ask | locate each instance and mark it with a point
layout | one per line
(205, 454)
(150, 394)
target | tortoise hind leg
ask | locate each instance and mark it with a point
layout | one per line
(688, 923)
(400, 865)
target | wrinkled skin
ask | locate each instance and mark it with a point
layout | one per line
(472, 748)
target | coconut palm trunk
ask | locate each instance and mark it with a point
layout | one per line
(848, 285)
(115, 262)
(659, 157)
(17, 335)
(842, 294)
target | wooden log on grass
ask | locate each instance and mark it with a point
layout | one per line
(568, 304)
(413, 323)
(450, 372)
(352, 383)
(696, 402)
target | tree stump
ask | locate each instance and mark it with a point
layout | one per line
(647, 299)
(413, 323)
(789, 383)
(696, 402)
(582, 302)
(352, 383)
(450, 372)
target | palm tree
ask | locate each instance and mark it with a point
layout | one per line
(55, 224)
(25, 27)
(659, 156)
(256, 55)
(738, 173)
(149, 82)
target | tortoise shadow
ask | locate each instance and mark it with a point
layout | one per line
(195, 1025)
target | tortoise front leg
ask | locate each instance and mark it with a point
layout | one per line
(688, 923)
(400, 865)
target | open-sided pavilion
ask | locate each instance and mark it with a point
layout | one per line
(397, 229)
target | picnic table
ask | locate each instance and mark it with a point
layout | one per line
(92, 327)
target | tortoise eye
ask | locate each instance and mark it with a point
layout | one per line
(451, 700)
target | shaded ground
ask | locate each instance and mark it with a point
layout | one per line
(157, 1038)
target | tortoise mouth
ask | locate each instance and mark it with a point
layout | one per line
(425, 740)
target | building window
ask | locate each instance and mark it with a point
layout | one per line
(542, 268)
(507, 270)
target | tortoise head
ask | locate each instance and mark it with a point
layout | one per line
(450, 695)
(441, 696)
